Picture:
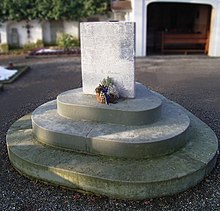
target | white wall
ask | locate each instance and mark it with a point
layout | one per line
(46, 31)
(39, 31)
(35, 31)
(214, 45)
(137, 15)
(71, 27)
(3, 33)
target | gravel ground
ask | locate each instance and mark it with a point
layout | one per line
(192, 81)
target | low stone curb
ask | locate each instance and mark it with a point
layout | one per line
(21, 70)
(1, 87)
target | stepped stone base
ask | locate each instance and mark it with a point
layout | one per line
(118, 177)
(165, 136)
(131, 179)
(143, 109)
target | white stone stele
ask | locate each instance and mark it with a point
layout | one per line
(107, 49)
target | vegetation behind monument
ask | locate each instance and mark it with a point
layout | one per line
(51, 9)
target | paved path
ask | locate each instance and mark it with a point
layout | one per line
(192, 81)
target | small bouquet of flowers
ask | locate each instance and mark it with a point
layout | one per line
(106, 92)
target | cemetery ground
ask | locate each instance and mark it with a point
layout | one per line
(191, 81)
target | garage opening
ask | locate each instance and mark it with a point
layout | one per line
(174, 28)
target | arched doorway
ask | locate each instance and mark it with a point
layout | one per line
(188, 23)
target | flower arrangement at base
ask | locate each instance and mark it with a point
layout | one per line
(106, 92)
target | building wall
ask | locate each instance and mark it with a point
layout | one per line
(35, 32)
(71, 27)
(38, 31)
(3, 33)
(139, 14)
(46, 32)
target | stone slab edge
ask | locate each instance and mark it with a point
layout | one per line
(21, 71)
(88, 109)
(110, 147)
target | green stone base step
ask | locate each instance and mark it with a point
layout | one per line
(141, 110)
(162, 137)
(114, 177)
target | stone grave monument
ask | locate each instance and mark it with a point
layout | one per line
(109, 52)
(144, 146)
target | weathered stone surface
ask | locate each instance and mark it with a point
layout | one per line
(107, 49)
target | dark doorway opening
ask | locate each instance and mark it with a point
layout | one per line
(184, 20)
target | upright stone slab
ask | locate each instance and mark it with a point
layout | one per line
(107, 49)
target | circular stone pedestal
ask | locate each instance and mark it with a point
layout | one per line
(143, 109)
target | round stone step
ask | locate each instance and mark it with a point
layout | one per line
(152, 140)
(119, 178)
(143, 109)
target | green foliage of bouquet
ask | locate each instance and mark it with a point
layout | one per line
(107, 92)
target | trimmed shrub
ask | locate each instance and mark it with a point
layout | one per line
(67, 41)
(29, 46)
(39, 44)
(4, 48)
